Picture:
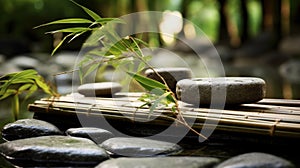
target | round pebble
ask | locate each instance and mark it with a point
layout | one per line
(26, 128)
(170, 75)
(53, 151)
(97, 135)
(165, 162)
(231, 90)
(256, 160)
(139, 147)
(101, 89)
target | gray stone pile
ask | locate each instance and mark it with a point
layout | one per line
(37, 143)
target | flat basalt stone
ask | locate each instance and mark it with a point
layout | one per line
(228, 90)
(165, 162)
(139, 147)
(97, 135)
(54, 150)
(256, 160)
(27, 128)
(101, 89)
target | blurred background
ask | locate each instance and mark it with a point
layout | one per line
(258, 38)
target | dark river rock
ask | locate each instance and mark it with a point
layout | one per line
(54, 151)
(256, 160)
(97, 135)
(165, 162)
(139, 147)
(27, 128)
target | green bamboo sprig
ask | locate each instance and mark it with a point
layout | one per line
(118, 52)
(28, 81)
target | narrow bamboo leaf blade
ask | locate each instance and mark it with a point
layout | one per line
(92, 68)
(157, 102)
(89, 12)
(139, 41)
(77, 35)
(147, 81)
(141, 67)
(16, 76)
(43, 86)
(71, 30)
(16, 106)
(136, 48)
(103, 21)
(9, 92)
(32, 89)
(80, 73)
(60, 43)
(24, 87)
(93, 40)
(67, 21)
(25, 73)
(21, 80)
(145, 86)
(171, 98)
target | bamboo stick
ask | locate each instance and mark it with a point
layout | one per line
(247, 125)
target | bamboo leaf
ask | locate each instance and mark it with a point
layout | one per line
(8, 93)
(136, 48)
(31, 90)
(150, 83)
(71, 30)
(43, 86)
(140, 41)
(157, 102)
(25, 73)
(21, 80)
(76, 35)
(24, 87)
(60, 43)
(66, 21)
(80, 73)
(91, 69)
(15, 106)
(19, 76)
(103, 21)
(89, 12)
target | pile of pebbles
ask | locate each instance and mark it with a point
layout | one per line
(32, 142)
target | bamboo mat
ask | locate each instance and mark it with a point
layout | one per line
(272, 117)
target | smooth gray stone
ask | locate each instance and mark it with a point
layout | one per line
(139, 147)
(229, 90)
(25, 62)
(256, 160)
(97, 135)
(54, 150)
(66, 59)
(171, 75)
(99, 89)
(27, 128)
(165, 162)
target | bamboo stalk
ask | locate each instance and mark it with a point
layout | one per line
(291, 117)
(232, 127)
(281, 102)
(265, 125)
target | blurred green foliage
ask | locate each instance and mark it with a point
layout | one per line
(18, 17)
